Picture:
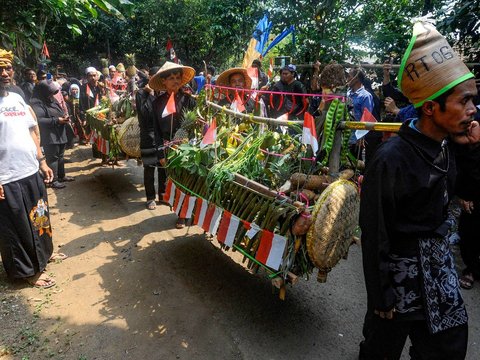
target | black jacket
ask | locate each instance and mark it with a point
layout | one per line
(146, 119)
(48, 112)
(165, 127)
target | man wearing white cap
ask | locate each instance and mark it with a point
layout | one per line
(410, 276)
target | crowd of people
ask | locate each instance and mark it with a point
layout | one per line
(409, 182)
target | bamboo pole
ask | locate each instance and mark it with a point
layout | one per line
(375, 126)
(257, 119)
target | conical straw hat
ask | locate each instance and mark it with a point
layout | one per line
(156, 80)
(430, 66)
(224, 77)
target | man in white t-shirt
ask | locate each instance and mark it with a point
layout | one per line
(25, 230)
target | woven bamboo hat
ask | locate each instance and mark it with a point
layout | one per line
(430, 66)
(224, 78)
(6, 57)
(156, 80)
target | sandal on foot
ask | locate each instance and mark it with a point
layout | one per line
(41, 281)
(57, 257)
(151, 205)
(180, 224)
(466, 281)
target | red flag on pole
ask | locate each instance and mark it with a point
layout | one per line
(169, 45)
(270, 69)
(45, 50)
(210, 136)
(367, 116)
(170, 107)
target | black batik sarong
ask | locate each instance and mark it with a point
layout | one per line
(426, 286)
(25, 230)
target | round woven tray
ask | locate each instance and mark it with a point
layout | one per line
(129, 137)
(335, 220)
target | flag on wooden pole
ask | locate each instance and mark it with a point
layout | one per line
(210, 136)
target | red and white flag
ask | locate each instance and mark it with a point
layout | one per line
(309, 134)
(91, 95)
(228, 228)
(210, 136)
(270, 69)
(177, 197)
(367, 116)
(253, 73)
(177, 206)
(187, 208)
(173, 193)
(168, 191)
(237, 104)
(45, 51)
(170, 107)
(271, 249)
(212, 219)
(200, 211)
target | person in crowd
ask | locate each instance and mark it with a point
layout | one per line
(468, 190)
(90, 94)
(111, 72)
(411, 281)
(236, 99)
(25, 231)
(400, 114)
(287, 104)
(27, 86)
(12, 85)
(361, 99)
(41, 75)
(144, 99)
(170, 79)
(52, 121)
(74, 111)
(262, 77)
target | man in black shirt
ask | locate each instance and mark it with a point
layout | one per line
(291, 104)
(410, 275)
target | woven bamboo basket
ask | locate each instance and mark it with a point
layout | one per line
(335, 220)
(129, 137)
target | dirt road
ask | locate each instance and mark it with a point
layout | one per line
(136, 288)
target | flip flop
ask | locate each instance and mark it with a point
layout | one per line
(41, 281)
(151, 205)
(57, 257)
(466, 281)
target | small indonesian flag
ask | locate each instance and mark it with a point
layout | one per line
(171, 198)
(45, 51)
(270, 69)
(200, 211)
(168, 191)
(187, 208)
(367, 116)
(210, 136)
(271, 249)
(178, 205)
(176, 199)
(237, 104)
(283, 117)
(309, 134)
(212, 219)
(228, 228)
(253, 73)
(170, 107)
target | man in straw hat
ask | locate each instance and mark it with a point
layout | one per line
(410, 275)
(169, 108)
(236, 79)
(25, 231)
